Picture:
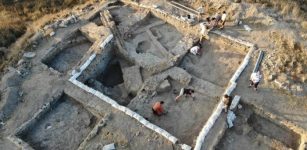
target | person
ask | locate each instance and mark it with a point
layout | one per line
(195, 50)
(227, 102)
(186, 92)
(223, 19)
(218, 17)
(203, 32)
(212, 24)
(255, 79)
(157, 108)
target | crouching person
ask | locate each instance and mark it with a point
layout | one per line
(157, 108)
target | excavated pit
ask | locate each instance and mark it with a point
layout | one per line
(97, 20)
(253, 131)
(63, 58)
(219, 60)
(105, 74)
(64, 126)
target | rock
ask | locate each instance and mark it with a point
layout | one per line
(164, 86)
(109, 147)
(304, 25)
(52, 34)
(20, 62)
(9, 102)
(237, 1)
(297, 90)
(29, 55)
(132, 79)
(282, 77)
(272, 77)
(10, 79)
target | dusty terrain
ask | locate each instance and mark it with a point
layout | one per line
(90, 78)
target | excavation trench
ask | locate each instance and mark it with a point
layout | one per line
(63, 126)
(68, 53)
(254, 131)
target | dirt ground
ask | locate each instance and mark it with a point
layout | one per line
(252, 131)
(217, 63)
(149, 41)
(67, 58)
(67, 120)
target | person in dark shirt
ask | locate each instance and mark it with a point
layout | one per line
(186, 92)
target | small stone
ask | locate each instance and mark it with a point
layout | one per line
(272, 77)
(20, 62)
(109, 147)
(29, 55)
(52, 34)
(137, 133)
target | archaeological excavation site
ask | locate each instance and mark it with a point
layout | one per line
(89, 80)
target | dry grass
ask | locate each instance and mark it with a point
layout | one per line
(20, 20)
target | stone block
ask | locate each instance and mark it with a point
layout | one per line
(235, 102)
(132, 79)
(164, 86)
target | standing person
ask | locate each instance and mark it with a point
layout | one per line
(223, 19)
(186, 92)
(203, 32)
(255, 79)
(157, 108)
(227, 102)
(218, 17)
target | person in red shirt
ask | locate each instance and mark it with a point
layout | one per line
(157, 108)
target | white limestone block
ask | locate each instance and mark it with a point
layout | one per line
(137, 116)
(185, 147)
(145, 122)
(173, 139)
(122, 108)
(235, 102)
(106, 41)
(130, 112)
(230, 88)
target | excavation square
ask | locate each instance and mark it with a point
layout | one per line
(253, 131)
(144, 33)
(218, 61)
(64, 126)
(68, 53)
(185, 117)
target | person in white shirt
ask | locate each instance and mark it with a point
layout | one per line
(223, 19)
(255, 79)
(195, 50)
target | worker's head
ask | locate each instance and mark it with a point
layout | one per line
(226, 96)
(208, 19)
(213, 18)
(192, 91)
(224, 12)
(161, 102)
